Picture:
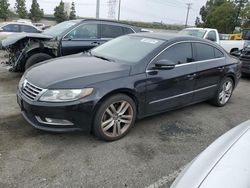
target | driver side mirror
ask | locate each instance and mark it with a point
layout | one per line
(164, 64)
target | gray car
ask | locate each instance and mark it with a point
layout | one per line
(8, 28)
(224, 164)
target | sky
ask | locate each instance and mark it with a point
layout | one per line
(166, 11)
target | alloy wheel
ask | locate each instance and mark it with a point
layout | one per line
(117, 119)
(226, 92)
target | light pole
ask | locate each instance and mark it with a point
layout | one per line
(97, 9)
(188, 9)
(119, 10)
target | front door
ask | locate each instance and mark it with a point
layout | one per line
(82, 38)
(167, 89)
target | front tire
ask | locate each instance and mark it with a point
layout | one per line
(36, 58)
(114, 118)
(223, 93)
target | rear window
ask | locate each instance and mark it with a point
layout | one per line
(111, 31)
(28, 29)
(206, 52)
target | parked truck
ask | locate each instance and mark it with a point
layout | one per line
(212, 34)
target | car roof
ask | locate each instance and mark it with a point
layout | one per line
(168, 36)
(135, 28)
(18, 23)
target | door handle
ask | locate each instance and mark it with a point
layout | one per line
(191, 76)
(95, 43)
(221, 69)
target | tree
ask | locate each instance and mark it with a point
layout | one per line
(223, 17)
(60, 13)
(198, 22)
(35, 12)
(4, 9)
(245, 15)
(72, 14)
(21, 8)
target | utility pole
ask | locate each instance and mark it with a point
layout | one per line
(119, 10)
(97, 9)
(188, 9)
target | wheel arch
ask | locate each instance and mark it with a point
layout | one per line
(234, 49)
(45, 50)
(232, 76)
(125, 91)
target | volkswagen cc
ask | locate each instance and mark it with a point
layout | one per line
(105, 90)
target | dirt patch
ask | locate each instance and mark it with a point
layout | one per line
(174, 129)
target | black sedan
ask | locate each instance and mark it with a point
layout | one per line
(131, 77)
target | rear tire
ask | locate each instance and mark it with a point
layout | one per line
(223, 93)
(114, 118)
(36, 58)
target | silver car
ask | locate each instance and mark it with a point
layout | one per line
(224, 164)
(8, 28)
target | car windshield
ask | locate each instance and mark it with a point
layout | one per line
(58, 29)
(193, 32)
(129, 49)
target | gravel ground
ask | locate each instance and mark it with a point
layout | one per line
(154, 150)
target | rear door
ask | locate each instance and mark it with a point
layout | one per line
(80, 39)
(211, 65)
(168, 89)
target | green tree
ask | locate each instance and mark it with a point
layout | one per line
(72, 14)
(245, 15)
(35, 12)
(223, 17)
(4, 9)
(60, 13)
(198, 22)
(21, 8)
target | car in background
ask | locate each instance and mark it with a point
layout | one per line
(8, 28)
(130, 77)
(213, 35)
(66, 38)
(224, 164)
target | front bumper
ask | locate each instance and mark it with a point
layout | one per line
(79, 113)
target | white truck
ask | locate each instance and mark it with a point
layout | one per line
(213, 35)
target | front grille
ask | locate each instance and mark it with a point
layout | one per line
(30, 91)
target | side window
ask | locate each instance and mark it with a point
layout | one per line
(211, 36)
(11, 28)
(111, 31)
(85, 31)
(218, 53)
(28, 29)
(127, 30)
(179, 53)
(204, 52)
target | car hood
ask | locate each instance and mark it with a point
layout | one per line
(14, 38)
(76, 71)
(225, 163)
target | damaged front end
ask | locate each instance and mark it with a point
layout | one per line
(20, 47)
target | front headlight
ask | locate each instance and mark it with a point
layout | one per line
(65, 95)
